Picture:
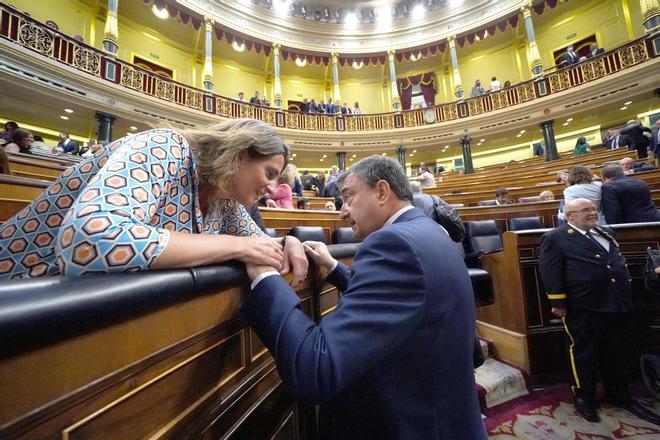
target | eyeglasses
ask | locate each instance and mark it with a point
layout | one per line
(583, 211)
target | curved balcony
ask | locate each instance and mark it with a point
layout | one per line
(22, 35)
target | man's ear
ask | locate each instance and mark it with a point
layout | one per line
(384, 190)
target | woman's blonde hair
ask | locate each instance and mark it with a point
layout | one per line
(218, 148)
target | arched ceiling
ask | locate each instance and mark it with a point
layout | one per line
(423, 22)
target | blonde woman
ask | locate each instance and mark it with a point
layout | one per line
(297, 182)
(155, 200)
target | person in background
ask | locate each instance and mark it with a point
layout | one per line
(321, 107)
(21, 142)
(176, 198)
(654, 149)
(282, 194)
(304, 106)
(477, 89)
(40, 145)
(330, 206)
(313, 107)
(356, 108)
(345, 109)
(502, 197)
(10, 126)
(67, 145)
(4, 162)
(494, 84)
(297, 182)
(92, 150)
(638, 141)
(264, 102)
(330, 108)
(571, 56)
(255, 99)
(626, 199)
(241, 97)
(333, 174)
(630, 166)
(424, 177)
(580, 185)
(594, 50)
(304, 204)
(581, 147)
(507, 83)
(616, 140)
(546, 195)
(320, 182)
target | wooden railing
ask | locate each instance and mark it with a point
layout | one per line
(24, 31)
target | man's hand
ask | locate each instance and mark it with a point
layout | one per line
(254, 270)
(294, 260)
(559, 313)
(319, 253)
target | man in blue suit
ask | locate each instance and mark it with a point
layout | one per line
(394, 359)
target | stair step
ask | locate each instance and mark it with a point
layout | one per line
(499, 382)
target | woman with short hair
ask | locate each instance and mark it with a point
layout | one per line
(155, 200)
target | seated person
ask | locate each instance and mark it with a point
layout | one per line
(283, 194)
(546, 195)
(581, 147)
(502, 197)
(304, 204)
(158, 201)
(40, 145)
(5, 136)
(21, 142)
(67, 145)
(629, 166)
(330, 206)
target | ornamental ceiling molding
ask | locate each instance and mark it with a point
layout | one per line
(303, 34)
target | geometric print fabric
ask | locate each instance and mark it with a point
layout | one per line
(113, 211)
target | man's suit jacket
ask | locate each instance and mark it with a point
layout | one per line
(69, 146)
(254, 100)
(655, 144)
(394, 359)
(330, 109)
(598, 51)
(572, 57)
(580, 274)
(635, 132)
(621, 142)
(628, 200)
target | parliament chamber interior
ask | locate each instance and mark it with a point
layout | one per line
(523, 117)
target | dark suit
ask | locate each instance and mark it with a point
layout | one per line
(330, 109)
(619, 141)
(593, 285)
(628, 200)
(304, 107)
(655, 143)
(313, 108)
(394, 359)
(69, 146)
(255, 101)
(596, 52)
(639, 142)
(572, 57)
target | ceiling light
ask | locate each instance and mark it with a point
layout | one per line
(325, 155)
(414, 151)
(481, 140)
(358, 65)
(565, 124)
(238, 47)
(301, 62)
(351, 159)
(64, 117)
(624, 107)
(384, 154)
(411, 154)
(68, 110)
(160, 13)
(518, 135)
(321, 160)
(133, 127)
(354, 155)
(522, 131)
(446, 146)
(569, 119)
(418, 11)
(351, 19)
(627, 103)
(478, 143)
(294, 155)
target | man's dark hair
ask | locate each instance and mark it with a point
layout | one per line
(376, 168)
(11, 125)
(611, 171)
(300, 204)
(501, 192)
(579, 174)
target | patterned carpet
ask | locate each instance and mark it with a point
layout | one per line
(549, 415)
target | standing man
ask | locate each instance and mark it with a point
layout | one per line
(477, 89)
(588, 285)
(394, 359)
(626, 199)
(255, 99)
(635, 132)
(334, 173)
(655, 145)
(68, 145)
(617, 141)
(571, 56)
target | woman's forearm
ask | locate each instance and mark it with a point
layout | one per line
(189, 250)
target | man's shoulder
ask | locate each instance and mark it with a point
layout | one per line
(559, 233)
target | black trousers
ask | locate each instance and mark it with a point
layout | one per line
(596, 344)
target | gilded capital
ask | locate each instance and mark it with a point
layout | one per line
(276, 49)
(451, 40)
(390, 54)
(335, 57)
(208, 22)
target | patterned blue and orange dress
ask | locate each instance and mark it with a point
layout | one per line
(113, 211)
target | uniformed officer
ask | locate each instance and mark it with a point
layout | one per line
(588, 284)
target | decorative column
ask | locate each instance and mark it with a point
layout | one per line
(335, 78)
(468, 168)
(396, 101)
(458, 88)
(277, 99)
(651, 14)
(341, 161)
(111, 31)
(207, 75)
(549, 140)
(401, 155)
(105, 126)
(534, 55)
